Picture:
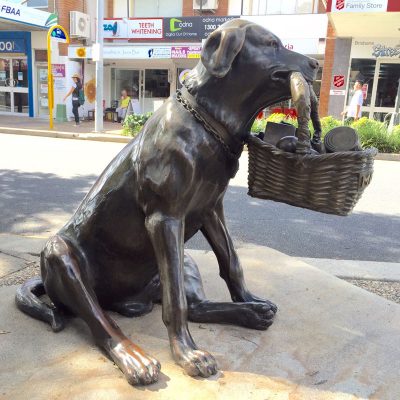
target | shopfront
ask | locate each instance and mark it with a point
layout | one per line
(16, 94)
(367, 49)
(22, 32)
(377, 65)
(149, 73)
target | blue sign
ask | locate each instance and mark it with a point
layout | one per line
(58, 34)
(12, 46)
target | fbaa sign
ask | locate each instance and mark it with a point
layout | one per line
(10, 10)
(359, 5)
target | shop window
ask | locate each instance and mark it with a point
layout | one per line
(156, 83)
(362, 69)
(388, 82)
(38, 3)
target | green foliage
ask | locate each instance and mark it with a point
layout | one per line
(133, 123)
(375, 134)
(372, 133)
(328, 123)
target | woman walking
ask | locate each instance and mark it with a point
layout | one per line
(76, 87)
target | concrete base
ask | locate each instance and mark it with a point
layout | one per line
(330, 340)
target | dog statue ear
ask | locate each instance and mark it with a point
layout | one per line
(220, 50)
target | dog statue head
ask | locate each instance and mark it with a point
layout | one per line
(243, 69)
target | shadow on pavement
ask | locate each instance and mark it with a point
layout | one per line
(303, 233)
(38, 202)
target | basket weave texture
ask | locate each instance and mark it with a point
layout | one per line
(329, 183)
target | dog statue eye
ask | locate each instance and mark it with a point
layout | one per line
(274, 44)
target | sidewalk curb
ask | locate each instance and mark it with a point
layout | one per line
(99, 137)
(109, 137)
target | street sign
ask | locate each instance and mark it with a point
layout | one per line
(58, 35)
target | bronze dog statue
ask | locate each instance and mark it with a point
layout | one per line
(123, 249)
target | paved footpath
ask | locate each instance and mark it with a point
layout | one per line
(330, 341)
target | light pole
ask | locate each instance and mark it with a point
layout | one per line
(98, 119)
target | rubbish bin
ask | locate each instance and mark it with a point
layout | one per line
(61, 113)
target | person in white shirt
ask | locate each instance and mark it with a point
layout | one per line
(354, 109)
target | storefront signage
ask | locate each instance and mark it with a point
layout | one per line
(338, 80)
(147, 28)
(303, 46)
(381, 48)
(115, 28)
(27, 15)
(58, 70)
(185, 51)
(133, 28)
(358, 6)
(192, 28)
(12, 46)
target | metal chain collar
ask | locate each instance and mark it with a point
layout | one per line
(209, 128)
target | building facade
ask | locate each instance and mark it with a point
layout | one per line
(149, 45)
(363, 43)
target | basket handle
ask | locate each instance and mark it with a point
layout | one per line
(300, 91)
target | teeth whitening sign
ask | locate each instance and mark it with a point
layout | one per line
(26, 15)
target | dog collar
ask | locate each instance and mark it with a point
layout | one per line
(230, 144)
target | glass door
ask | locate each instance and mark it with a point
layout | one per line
(386, 82)
(130, 80)
(5, 85)
(14, 97)
(42, 90)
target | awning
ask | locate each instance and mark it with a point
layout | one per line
(365, 18)
(17, 17)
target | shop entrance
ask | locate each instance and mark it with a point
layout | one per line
(148, 88)
(14, 98)
(384, 92)
(381, 79)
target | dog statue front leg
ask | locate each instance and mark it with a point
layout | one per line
(215, 231)
(167, 236)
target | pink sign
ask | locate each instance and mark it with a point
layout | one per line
(185, 51)
(365, 90)
(58, 70)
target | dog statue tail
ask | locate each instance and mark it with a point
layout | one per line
(27, 300)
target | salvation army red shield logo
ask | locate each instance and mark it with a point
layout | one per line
(339, 4)
(338, 80)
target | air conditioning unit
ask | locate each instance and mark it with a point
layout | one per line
(205, 4)
(79, 24)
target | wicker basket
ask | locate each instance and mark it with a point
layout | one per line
(328, 183)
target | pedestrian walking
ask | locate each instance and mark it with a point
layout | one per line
(74, 91)
(354, 109)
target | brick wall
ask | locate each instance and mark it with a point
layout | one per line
(63, 7)
(110, 9)
(187, 9)
(327, 71)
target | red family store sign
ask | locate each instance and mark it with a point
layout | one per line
(185, 51)
(363, 6)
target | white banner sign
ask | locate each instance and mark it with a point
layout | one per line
(147, 28)
(303, 46)
(26, 15)
(124, 52)
(359, 5)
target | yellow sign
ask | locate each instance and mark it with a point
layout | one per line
(58, 33)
